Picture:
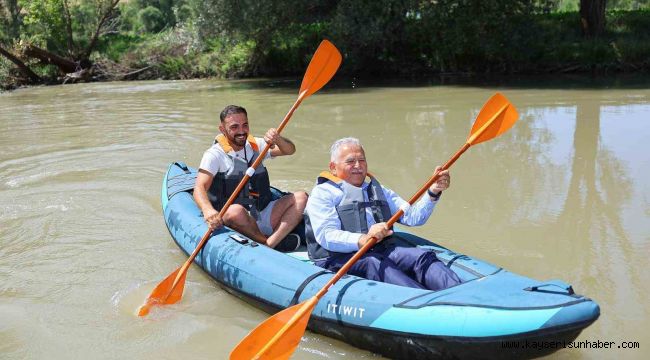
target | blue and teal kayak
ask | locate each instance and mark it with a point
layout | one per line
(493, 314)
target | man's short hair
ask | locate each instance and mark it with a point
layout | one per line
(334, 150)
(230, 110)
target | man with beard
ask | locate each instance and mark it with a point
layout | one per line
(254, 213)
(348, 207)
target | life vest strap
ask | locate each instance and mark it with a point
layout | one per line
(225, 144)
(326, 175)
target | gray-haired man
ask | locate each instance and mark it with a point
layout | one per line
(345, 211)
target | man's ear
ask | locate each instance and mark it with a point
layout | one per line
(332, 168)
(222, 129)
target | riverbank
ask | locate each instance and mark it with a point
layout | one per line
(424, 45)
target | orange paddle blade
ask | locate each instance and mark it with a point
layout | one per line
(165, 293)
(321, 69)
(496, 117)
(277, 337)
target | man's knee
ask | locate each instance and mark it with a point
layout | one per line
(439, 276)
(235, 214)
(300, 198)
(373, 267)
(295, 202)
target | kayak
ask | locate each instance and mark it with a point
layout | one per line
(492, 314)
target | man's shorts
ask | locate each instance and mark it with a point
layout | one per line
(264, 220)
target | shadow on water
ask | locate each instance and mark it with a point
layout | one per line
(558, 82)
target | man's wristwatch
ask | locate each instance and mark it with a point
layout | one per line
(434, 197)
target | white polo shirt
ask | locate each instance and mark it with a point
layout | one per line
(215, 160)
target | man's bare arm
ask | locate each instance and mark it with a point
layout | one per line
(210, 214)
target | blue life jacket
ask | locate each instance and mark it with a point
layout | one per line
(351, 211)
(255, 195)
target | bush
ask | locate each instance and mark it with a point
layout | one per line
(174, 67)
(233, 59)
(152, 19)
(183, 13)
(115, 46)
(629, 23)
(6, 79)
(129, 20)
(634, 52)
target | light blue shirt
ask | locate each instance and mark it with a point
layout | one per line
(321, 208)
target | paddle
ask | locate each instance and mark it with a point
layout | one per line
(321, 69)
(278, 336)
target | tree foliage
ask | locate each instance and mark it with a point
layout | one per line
(291, 26)
(152, 19)
(45, 23)
(10, 20)
(194, 38)
(66, 27)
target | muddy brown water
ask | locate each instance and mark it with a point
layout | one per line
(564, 195)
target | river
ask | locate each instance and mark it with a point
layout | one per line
(565, 194)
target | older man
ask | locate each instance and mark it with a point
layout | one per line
(345, 211)
(254, 212)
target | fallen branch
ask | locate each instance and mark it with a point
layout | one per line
(65, 65)
(83, 74)
(571, 68)
(130, 74)
(24, 69)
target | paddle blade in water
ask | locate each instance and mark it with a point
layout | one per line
(321, 69)
(277, 337)
(165, 293)
(496, 117)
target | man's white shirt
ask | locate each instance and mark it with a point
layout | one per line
(326, 224)
(215, 160)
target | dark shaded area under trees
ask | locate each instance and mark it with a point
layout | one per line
(58, 41)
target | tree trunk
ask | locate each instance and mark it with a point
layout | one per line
(65, 65)
(13, 17)
(24, 69)
(111, 5)
(592, 17)
(72, 50)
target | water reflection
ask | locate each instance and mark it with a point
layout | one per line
(552, 199)
(589, 231)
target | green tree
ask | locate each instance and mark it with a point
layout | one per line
(62, 26)
(62, 33)
(47, 23)
(479, 36)
(152, 19)
(374, 34)
(264, 27)
(166, 7)
(10, 20)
